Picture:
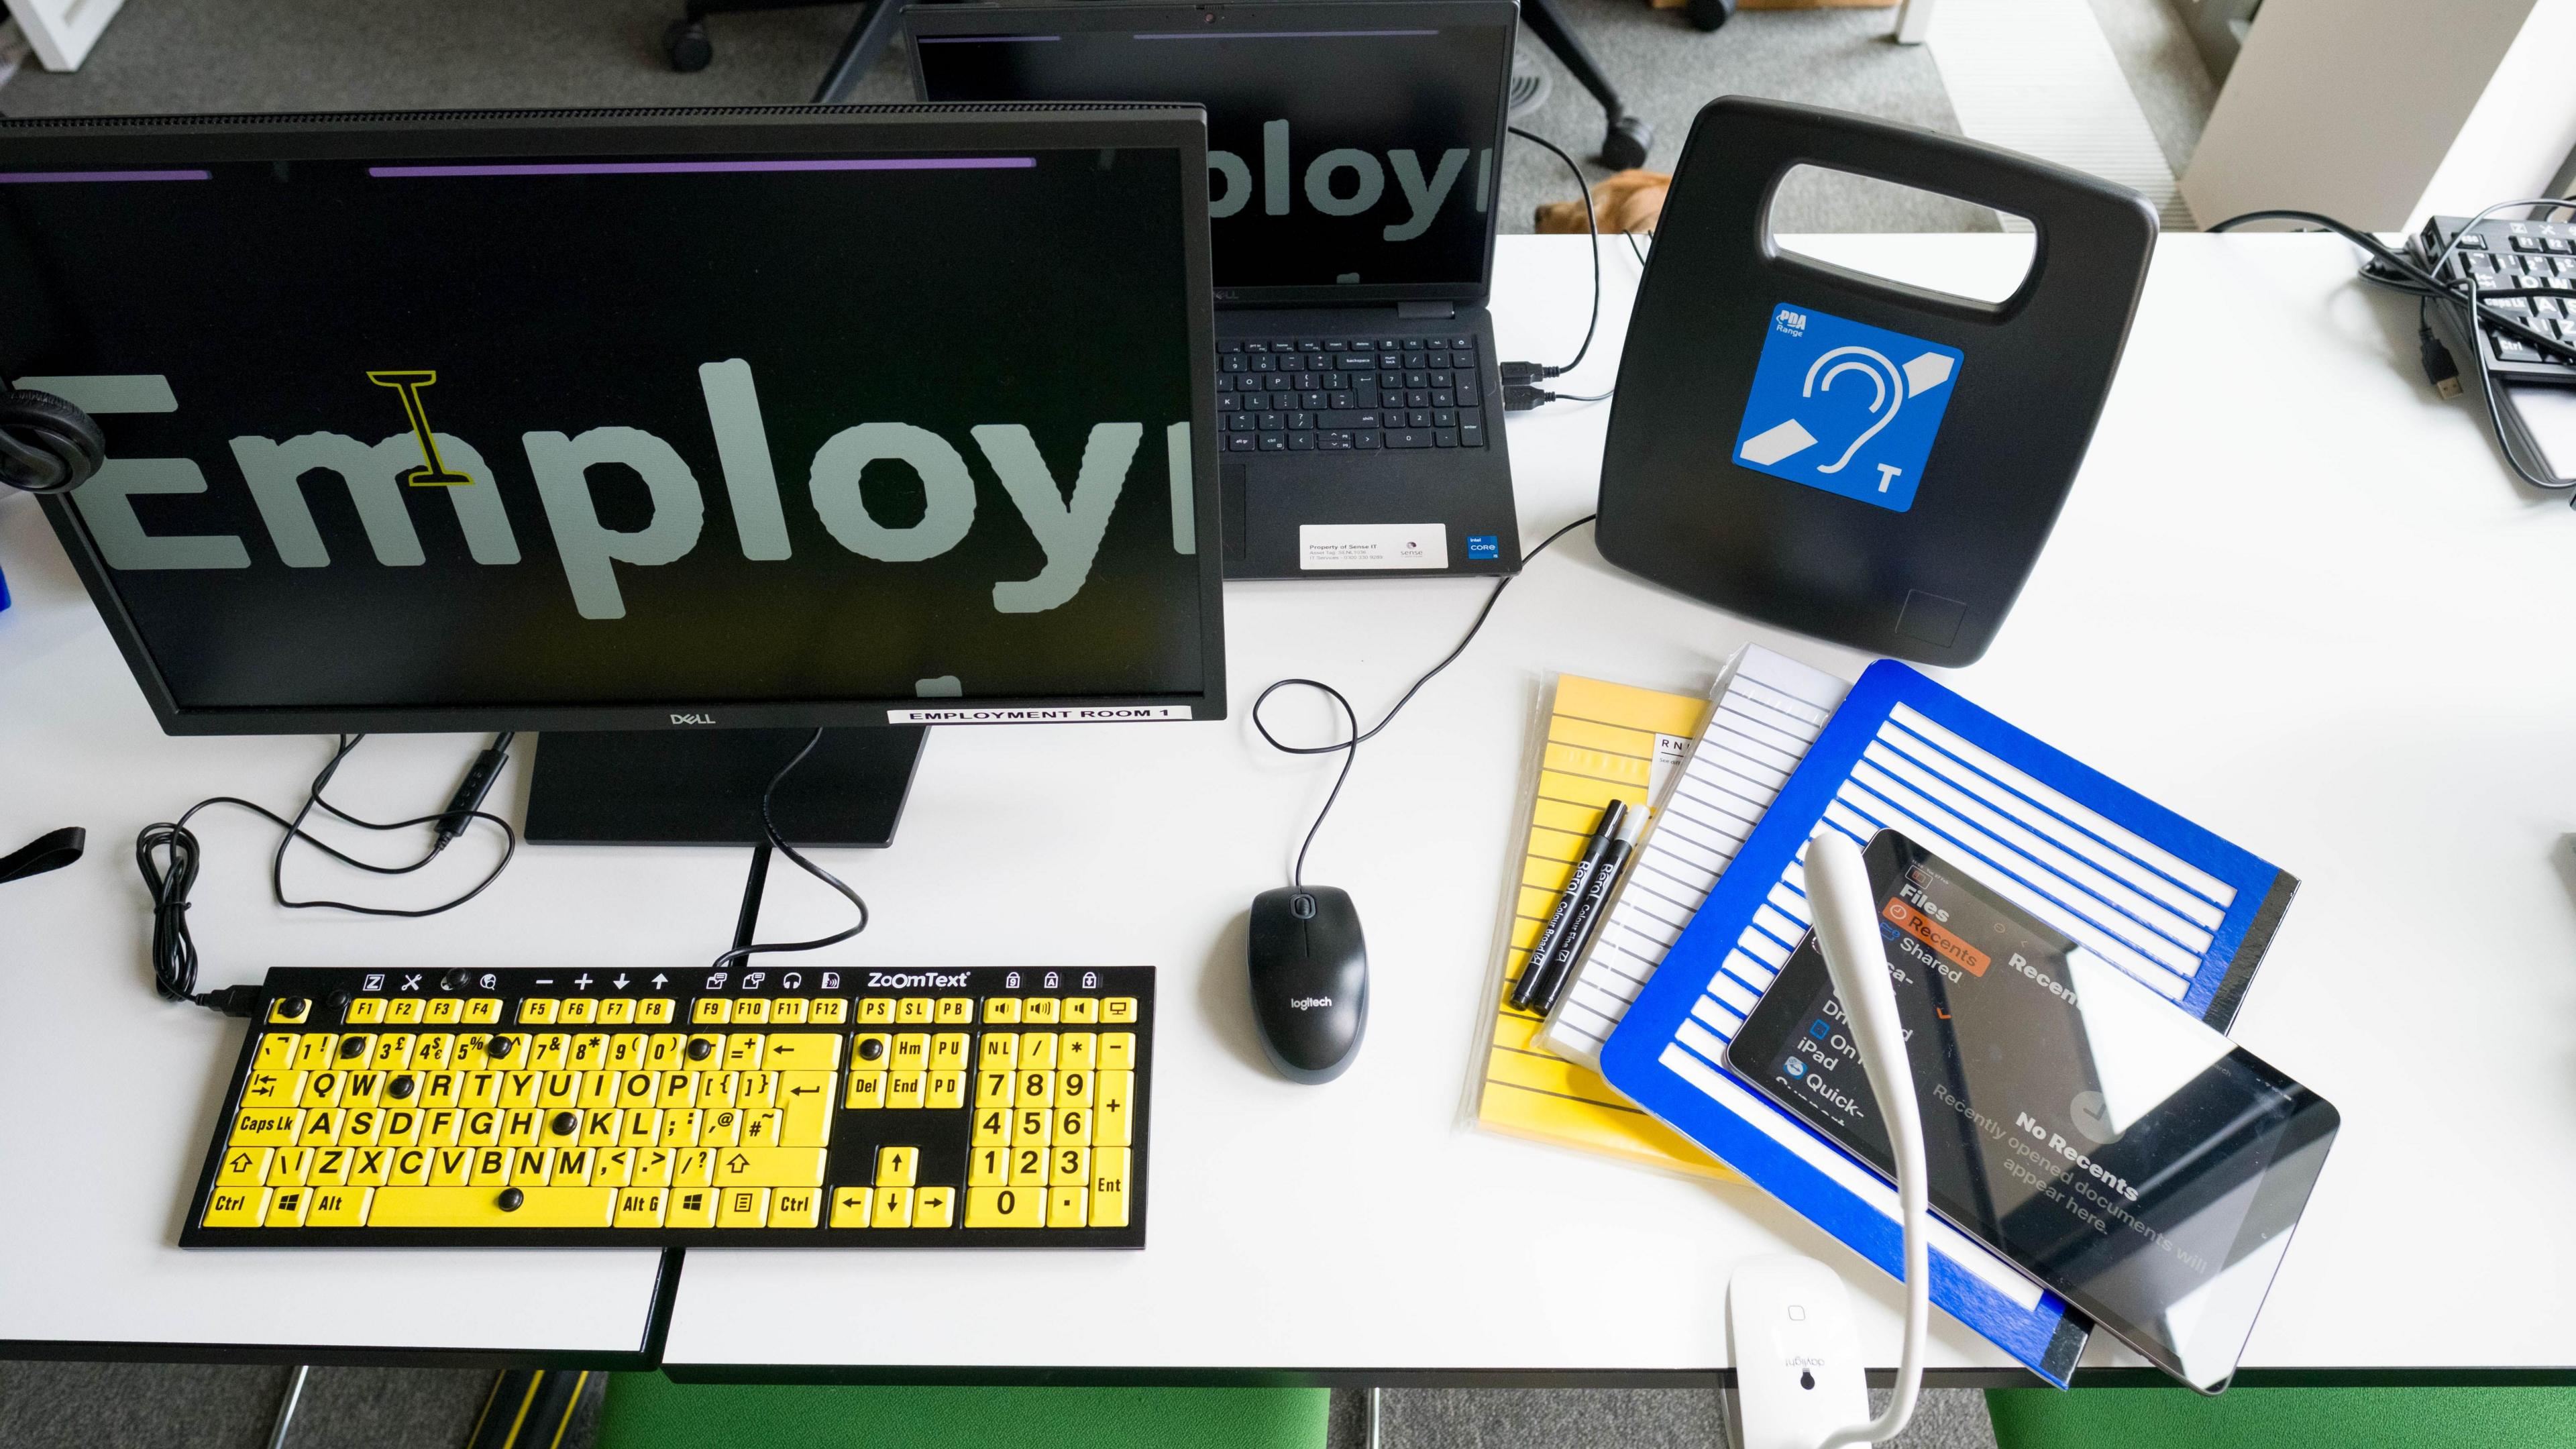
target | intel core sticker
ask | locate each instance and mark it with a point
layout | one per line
(1373, 545)
(1845, 407)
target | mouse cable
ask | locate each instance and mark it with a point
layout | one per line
(1519, 378)
(1350, 748)
(778, 842)
(168, 855)
(2470, 306)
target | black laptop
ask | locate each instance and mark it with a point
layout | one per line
(1353, 164)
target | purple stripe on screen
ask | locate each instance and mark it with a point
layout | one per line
(38, 178)
(673, 168)
(1277, 34)
(980, 39)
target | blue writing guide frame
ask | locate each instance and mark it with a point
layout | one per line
(1901, 751)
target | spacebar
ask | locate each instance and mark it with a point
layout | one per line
(481, 1207)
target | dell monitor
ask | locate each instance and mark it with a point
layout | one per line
(672, 434)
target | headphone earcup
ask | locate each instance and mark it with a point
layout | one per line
(46, 444)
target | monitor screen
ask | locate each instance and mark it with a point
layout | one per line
(1347, 145)
(830, 421)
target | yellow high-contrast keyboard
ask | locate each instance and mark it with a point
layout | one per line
(798, 1107)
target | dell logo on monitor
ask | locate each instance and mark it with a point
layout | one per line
(689, 719)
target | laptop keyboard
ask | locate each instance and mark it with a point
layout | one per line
(1348, 394)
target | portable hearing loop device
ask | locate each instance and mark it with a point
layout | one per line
(1844, 455)
(46, 444)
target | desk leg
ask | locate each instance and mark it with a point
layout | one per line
(286, 1407)
(1376, 1394)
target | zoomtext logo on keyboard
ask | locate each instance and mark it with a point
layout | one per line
(1066, 524)
(1345, 182)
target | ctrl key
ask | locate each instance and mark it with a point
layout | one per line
(237, 1207)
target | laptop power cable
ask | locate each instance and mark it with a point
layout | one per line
(1521, 391)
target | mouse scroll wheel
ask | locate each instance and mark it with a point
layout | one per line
(1302, 906)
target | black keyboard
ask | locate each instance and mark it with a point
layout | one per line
(1349, 394)
(2527, 267)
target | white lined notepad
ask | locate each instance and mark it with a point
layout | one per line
(1769, 710)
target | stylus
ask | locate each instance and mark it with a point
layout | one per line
(1534, 969)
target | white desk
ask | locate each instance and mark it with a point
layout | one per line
(2293, 597)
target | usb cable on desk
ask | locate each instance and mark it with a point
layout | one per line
(1521, 391)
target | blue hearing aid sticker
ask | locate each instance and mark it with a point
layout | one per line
(1845, 407)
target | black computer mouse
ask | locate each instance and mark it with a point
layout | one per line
(1309, 969)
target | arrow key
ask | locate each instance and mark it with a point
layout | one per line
(244, 1166)
(850, 1207)
(769, 1167)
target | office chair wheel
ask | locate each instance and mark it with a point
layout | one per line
(46, 444)
(687, 45)
(1710, 14)
(1625, 146)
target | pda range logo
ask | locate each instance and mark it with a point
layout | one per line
(1845, 407)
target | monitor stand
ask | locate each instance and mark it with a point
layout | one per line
(702, 787)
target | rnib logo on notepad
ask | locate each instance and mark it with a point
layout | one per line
(1845, 407)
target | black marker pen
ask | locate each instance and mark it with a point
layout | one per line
(1534, 967)
(1587, 914)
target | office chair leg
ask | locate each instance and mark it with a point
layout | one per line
(1374, 1406)
(286, 1407)
(1629, 136)
(859, 53)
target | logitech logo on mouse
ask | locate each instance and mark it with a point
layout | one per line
(1309, 1003)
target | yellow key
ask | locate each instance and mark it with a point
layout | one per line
(557, 1090)
(694, 1167)
(536, 1009)
(290, 1165)
(482, 1206)
(571, 1167)
(710, 1011)
(1081, 1010)
(483, 1010)
(286, 1207)
(1069, 1165)
(639, 1089)
(934, 1207)
(867, 1089)
(445, 1011)
(742, 1207)
(876, 1011)
(895, 1165)
(1042, 1009)
(992, 1127)
(361, 1089)
(1028, 1164)
(828, 1011)
(786, 1009)
(911, 1051)
(653, 1011)
(442, 1089)
(268, 1088)
(589, 1052)
(315, 1050)
(1118, 1010)
(1073, 1089)
(691, 1207)
(717, 1089)
(1073, 1127)
(440, 1126)
(893, 1208)
(948, 1050)
(433, 1051)
(946, 1089)
(626, 1051)
(1111, 1125)
(244, 1166)
(491, 1167)
(612, 1167)
(988, 1167)
(1006, 1207)
(1074, 1051)
(365, 1011)
(1036, 1089)
(641, 1207)
(521, 1125)
(550, 1051)
(653, 1166)
(340, 1207)
(237, 1207)
(796, 1207)
(702, 1051)
(805, 1099)
(871, 1051)
(371, 1165)
(993, 1088)
(769, 1167)
(276, 1052)
(1117, 1051)
(616, 1011)
(287, 1010)
(1037, 1051)
(321, 1127)
(401, 1128)
(451, 1166)
(358, 1127)
(1031, 1126)
(751, 1008)
(956, 1009)
(531, 1165)
(760, 1129)
(503, 1052)
(683, 1128)
(662, 1051)
(722, 1127)
(1064, 1207)
(1001, 1010)
(577, 1010)
(903, 1089)
(756, 1089)
(912, 1010)
(850, 1207)
(999, 1049)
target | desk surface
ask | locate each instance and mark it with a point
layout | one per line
(2293, 597)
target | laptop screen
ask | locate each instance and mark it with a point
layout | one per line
(1347, 145)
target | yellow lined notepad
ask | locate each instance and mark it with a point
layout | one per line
(1605, 742)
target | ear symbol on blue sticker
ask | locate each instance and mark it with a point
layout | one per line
(1824, 377)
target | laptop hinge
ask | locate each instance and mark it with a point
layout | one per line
(1426, 309)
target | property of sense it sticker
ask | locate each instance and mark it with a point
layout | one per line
(1845, 407)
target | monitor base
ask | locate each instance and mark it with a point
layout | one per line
(702, 787)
